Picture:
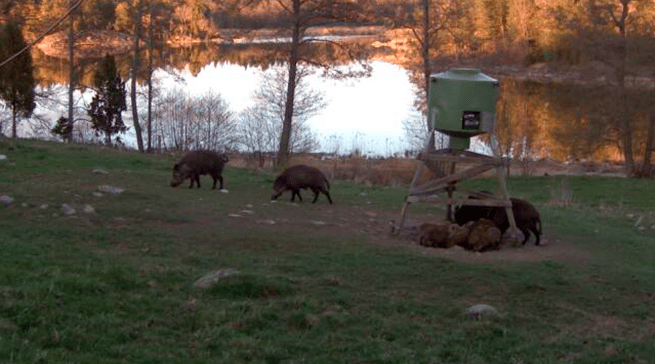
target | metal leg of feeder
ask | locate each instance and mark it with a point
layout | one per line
(505, 194)
(417, 174)
(403, 212)
(451, 188)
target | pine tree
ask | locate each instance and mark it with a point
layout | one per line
(16, 77)
(109, 100)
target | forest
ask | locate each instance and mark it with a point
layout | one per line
(607, 46)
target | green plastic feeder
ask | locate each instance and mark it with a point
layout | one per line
(462, 104)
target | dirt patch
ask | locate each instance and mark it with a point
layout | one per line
(336, 221)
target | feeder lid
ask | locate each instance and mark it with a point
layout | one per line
(465, 74)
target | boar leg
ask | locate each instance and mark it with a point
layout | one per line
(294, 193)
(328, 196)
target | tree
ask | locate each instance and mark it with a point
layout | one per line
(135, 68)
(109, 101)
(300, 16)
(16, 77)
(71, 76)
(260, 125)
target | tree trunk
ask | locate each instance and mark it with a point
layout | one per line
(150, 51)
(71, 74)
(14, 116)
(135, 67)
(626, 127)
(646, 168)
(425, 53)
(283, 153)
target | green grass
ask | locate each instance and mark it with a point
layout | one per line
(117, 286)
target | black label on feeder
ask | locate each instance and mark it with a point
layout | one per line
(471, 120)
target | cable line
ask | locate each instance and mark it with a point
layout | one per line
(48, 31)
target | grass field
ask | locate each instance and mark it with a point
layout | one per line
(317, 283)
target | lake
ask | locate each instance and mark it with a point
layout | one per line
(369, 115)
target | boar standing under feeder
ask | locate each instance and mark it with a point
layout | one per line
(199, 162)
(526, 217)
(298, 177)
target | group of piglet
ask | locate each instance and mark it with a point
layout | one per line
(201, 162)
(482, 228)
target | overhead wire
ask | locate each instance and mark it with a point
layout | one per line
(42, 35)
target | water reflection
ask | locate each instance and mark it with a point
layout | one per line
(534, 120)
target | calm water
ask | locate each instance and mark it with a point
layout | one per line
(370, 114)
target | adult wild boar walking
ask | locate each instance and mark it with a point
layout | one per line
(199, 162)
(298, 177)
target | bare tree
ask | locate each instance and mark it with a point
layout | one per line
(138, 13)
(269, 112)
(186, 122)
(71, 71)
(302, 15)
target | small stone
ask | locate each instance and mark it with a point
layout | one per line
(247, 212)
(267, 222)
(3, 157)
(189, 305)
(7, 326)
(210, 279)
(319, 223)
(110, 189)
(100, 171)
(482, 311)
(6, 200)
(88, 209)
(67, 209)
(97, 194)
(44, 206)
(234, 215)
(24, 204)
(224, 191)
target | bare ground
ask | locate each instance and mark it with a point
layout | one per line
(338, 221)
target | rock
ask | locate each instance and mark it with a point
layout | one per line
(6, 200)
(110, 189)
(247, 212)
(97, 194)
(189, 305)
(210, 279)
(224, 191)
(267, 222)
(482, 312)
(100, 171)
(3, 157)
(88, 209)
(67, 209)
(7, 326)
(44, 206)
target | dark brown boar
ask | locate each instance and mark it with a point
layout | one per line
(301, 177)
(526, 216)
(199, 162)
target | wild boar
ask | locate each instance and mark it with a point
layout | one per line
(483, 235)
(199, 162)
(442, 234)
(526, 217)
(301, 177)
